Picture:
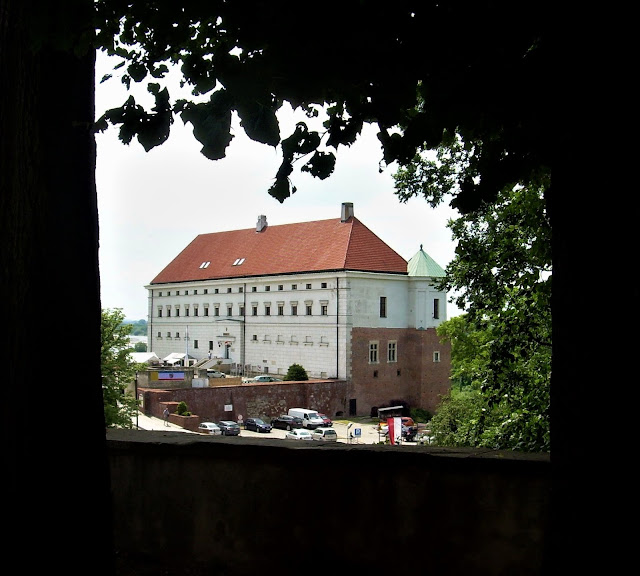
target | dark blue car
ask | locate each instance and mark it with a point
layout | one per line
(257, 425)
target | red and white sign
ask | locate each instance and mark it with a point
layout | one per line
(395, 430)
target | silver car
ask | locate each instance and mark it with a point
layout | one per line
(325, 435)
(209, 428)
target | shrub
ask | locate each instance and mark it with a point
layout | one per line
(421, 415)
(296, 373)
(182, 409)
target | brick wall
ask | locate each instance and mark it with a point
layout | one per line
(266, 400)
(415, 378)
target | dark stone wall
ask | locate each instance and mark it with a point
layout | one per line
(190, 504)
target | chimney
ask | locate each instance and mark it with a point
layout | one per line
(347, 211)
(262, 223)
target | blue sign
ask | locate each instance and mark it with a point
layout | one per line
(357, 432)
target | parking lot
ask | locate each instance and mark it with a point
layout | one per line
(368, 434)
(367, 427)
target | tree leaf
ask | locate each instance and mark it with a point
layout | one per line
(211, 124)
(321, 165)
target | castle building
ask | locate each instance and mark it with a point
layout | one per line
(328, 295)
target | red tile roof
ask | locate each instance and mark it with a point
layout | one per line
(323, 245)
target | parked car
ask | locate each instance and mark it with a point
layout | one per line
(257, 425)
(325, 435)
(265, 378)
(229, 428)
(327, 421)
(285, 422)
(215, 374)
(299, 434)
(209, 428)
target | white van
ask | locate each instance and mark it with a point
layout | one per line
(310, 418)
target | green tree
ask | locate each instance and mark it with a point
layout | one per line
(140, 347)
(118, 370)
(295, 373)
(502, 346)
(138, 328)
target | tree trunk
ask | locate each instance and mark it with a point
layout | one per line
(57, 495)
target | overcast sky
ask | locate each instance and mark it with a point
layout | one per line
(151, 205)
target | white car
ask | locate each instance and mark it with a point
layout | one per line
(215, 374)
(325, 435)
(299, 434)
(210, 428)
(265, 378)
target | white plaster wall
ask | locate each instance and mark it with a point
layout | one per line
(422, 293)
(321, 344)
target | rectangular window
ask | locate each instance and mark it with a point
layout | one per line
(383, 306)
(229, 310)
(255, 338)
(195, 311)
(215, 290)
(267, 310)
(177, 334)
(186, 311)
(168, 334)
(308, 286)
(177, 312)
(294, 310)
(206, 290)
(254, 288)
(294, 286)
(436, 356)
(373, 352)
(228, 290)
(195, 291)
(210, 344)
(254, 310)
(280, 310)
(280, 286)
(195, 343)
(206, 311)
(436, 308)
(159, 312)
(168, 312)
(216, 311)
(309, 309)
(240, 289)
(159, 334)
(323, 310)
(241, 311)
(267, 288)
(323, 285)
(392, 351)
(160, 294)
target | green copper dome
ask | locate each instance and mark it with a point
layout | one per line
(423, 265)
